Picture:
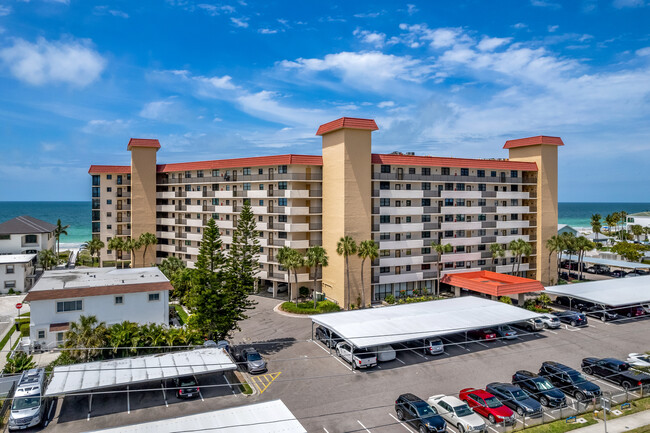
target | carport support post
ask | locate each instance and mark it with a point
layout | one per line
(275, 289)
(128, 400)
(352, 357)
(521, 298)
(312, 330)
(90, 404)
(162, 385)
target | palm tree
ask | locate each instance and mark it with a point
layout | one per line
(95, 246)
(131, 245)
(47, 259)
(569, 241)
(554, 245)
(610, 220)
(367, 250)
(346, 247)
(622, 215)
(596, 226)
(120, 336)
(646, 232)
(616, 217)
(58, 231)
(520, 248)
(497, 251)
(582, 244)
(440, 250)
(515, 248)
(146, 239)
(170, 266)
(316, 257)
(19, 363)
(637, 231)
(117, 244)
(291, 260)
(85, 338)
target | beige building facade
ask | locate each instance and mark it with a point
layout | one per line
(401, 201)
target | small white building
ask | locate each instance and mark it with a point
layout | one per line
(640, 218)
(17, 272)
(139, 295)
(26, 235)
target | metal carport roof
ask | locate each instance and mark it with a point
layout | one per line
(608, 262)
(268, 417)
(90, 376)
(614, 292)
(395, 324)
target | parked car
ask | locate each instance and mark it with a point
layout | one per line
(434, 346)
(550, 321)
(598, 269)
(358, 358)
(646, 308)
(570, 303)
(572, 318)
(29, 408)
(616, 371)
(221, 344)
(483, 334)
(457, 413)
(250, 360)
(484, 403)
(419, 414)
(617, 273)
(539, 388)
(282, 288)
(600, 311)
(532, 325)
(384, 353)
(327, 337)
(506, 332)
(186, 386)
(515, 398)
(639, 359)
(634, 311)
(570, 381)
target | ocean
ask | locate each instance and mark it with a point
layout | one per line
(77, 214)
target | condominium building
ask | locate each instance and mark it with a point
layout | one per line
(401, 201)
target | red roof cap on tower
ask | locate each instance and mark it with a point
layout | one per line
(532, 141)
(143, 142)
(347, 122)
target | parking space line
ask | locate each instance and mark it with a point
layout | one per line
(364, 427)
(397, 359)
(548, 413)
(552, 332)
(493, 429)
(231, 387)
(317, 344)
(200, 395)
(478, 342)
(401, 423)
(325, 430)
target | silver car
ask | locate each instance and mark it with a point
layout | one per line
(29, 405)
(550, 322)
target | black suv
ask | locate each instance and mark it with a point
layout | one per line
(515, 398)
(573, 318)
(569, 381)
(539, 388)
(599, 311)
(419, 414)
(329, 338)
(616, 371)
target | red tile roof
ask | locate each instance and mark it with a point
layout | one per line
(347, 122)
(532, 141)
(118, 289)
(256, 161)
(436, 161)
(143, 142)
(492, 283)
(109, 169)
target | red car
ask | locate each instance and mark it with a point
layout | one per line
(483, 334)
(487, 405)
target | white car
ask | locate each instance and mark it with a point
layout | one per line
(434, 346)
(457, 413)
(385, 353)
(639, 359)
(550, 322)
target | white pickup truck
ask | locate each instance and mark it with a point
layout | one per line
(360, 358)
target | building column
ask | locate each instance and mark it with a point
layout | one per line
(494, 298)
(521, 298)
(457, 292)
(275, 289)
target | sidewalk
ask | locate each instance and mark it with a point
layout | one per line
(618, 425)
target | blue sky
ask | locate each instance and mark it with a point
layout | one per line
(218, 80)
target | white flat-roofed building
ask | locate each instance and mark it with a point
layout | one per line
(112, 295)
(26, 235)
(17, 272)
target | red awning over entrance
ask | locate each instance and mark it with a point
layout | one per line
(492, 283)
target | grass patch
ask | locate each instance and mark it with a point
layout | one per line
(639, 405)
(246, 388)
(644, 429)
(182, 315)
(308, 307)
(7, 337)
(561, 426)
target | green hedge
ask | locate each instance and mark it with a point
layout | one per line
(308, 307)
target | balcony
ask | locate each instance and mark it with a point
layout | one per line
(194, 208)
(488, 224)
(401, 261)
(403, 245)
(460, 257)
(166, 208)
(315, 210)
(165, 221)
(295, 210)
(165, 235)
(407, 227)
(461, 225)
(522, 195)
(299, 227)
(488, 239)
(194, 222)
(461, 194)
(461, 210)
(315, 226)
(513, 209)
(466, 241)
(401, 193)
(443, 178)
(241, 178)
(401, 278)
(180, 221)
(513, 224)
(407, 210)
(508, 239)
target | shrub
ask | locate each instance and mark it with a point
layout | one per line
(505, 300)
(303, 291)
(24, 329)
(390, 299)
(11, 292)
(308, 307)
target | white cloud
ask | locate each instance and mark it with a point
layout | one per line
(411, 9)
(643, 51)
(545, 4)
(66, 61)
(104, 10)
(552, 29)
(267, 31)
(519, 26)
(106, 127)
(372, 38)
(48, 147)
(490, 44)
(157, 110)
(437, 38)
(4, 10)
(368, 15)
(239, 22)
(265, 105)
(65, 2)
(224, 82)
(215, 10)
(386, 104)
(620, 4)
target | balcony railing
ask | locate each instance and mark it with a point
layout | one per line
(241, 178)
(488, 224)
(443, 178)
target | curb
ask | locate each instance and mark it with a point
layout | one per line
(284, 313)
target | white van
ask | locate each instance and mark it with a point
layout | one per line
(29, 406)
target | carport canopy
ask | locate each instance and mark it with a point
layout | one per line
(396, 324)
(607, 262)
(492, 283)
(615, 292)
(91, 376)
(268, 417)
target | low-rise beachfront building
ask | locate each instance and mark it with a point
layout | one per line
(565, 228)
(26, 235)
(639, 218)
(17, 272)
(112, 295)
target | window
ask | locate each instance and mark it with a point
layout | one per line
(384, 253)
(41, 334)
(426, 171)
(445, 171)
(460, 202)
(96, 191)
(481, 202)
(513, 231)
(426, 235)
(215, 173)
(282, 235)
(385, 168)
(513, 173)
(464, 171)
(109, 227)
(10, 269)
(449, 202)
(246, 171)
(449, 218)
(460, 217)
(261, 203)
(282, 218)
(247, 187)
(188, 174)
(5, 237)
(514, 216)
(384, 202)
(481, 187)
(408, 219)
(282, 169)
(449, 233)
(426, 202)
(425, 219)
(426, 186)
(65, 306)
(10, 284)
(426, 266)
(282, 202)
(119, 300)
(449, 187)
(282, 185)
(384, 270)
(408, 202)
(96, 180)
(154, 296)
(493, 174)
(261, 186)
(480, 173)
(199, 173)
(384, 236)
(408, 268)
(384, 219)
(426, 250)
(482, 217)
(460, 187)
